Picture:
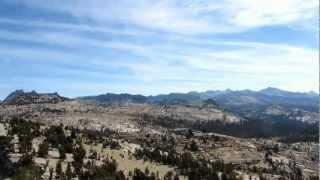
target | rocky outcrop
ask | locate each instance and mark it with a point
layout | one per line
(19, 97)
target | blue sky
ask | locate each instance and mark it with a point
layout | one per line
(79, 47)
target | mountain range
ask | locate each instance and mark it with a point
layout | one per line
(245, 113)
(227, 99)
(268, 103)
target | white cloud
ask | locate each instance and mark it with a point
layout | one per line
(261, 58)
(188, 17)
(177, 62)
(75, 27)
(199, 64)
(249, 13)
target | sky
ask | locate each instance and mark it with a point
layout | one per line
(80, 47)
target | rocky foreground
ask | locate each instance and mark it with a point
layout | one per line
(137, 129)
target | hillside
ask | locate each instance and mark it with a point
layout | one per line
(264, 104)
(227, 99)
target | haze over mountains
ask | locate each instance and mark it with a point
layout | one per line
(269, 103)
(226, 98)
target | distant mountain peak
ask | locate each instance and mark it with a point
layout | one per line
(111, 98)
(275, 92)
(312, 93)
(279, 92)
(271, 89)
(20, 97)
(210, 103)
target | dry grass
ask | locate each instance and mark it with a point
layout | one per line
(127, 163)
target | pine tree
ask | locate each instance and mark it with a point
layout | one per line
(193, 146)
(69, 172)
(58, 169)
(43, 149)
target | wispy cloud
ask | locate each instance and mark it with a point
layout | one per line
(187, 17)
(157, 46)
(173, 61)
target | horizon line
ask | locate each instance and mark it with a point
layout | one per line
(142, 94)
